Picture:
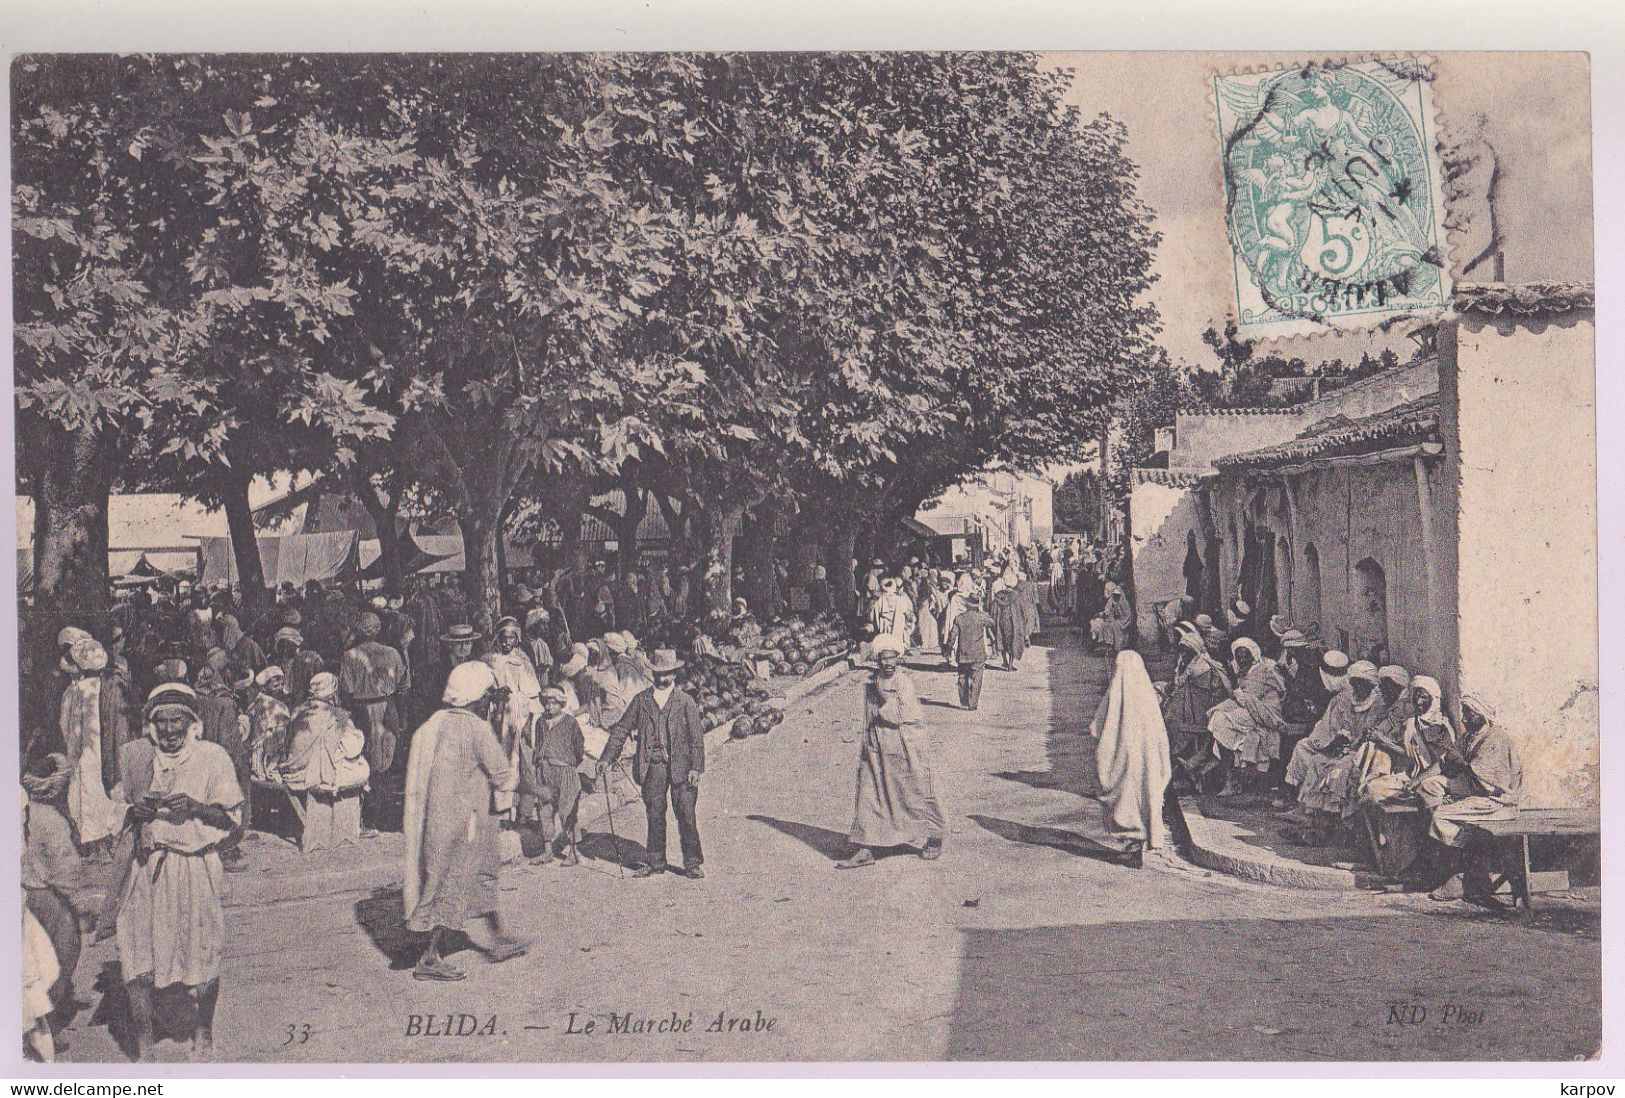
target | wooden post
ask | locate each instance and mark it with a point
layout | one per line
(1424, 504)
(1293, 547)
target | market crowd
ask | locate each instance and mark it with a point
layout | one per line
(163, 736)
(160, 737)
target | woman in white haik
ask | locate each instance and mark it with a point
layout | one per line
(1132, 761)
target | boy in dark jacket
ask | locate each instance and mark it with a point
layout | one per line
(548, 771)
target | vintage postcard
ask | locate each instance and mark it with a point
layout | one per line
(805, 557)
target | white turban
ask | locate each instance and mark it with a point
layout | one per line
(1334, 669)
(1249, 645)
(324, 685)
(468, 683)
(889, 642)
(1434, 714)
(1478, 705)
(71, 635)
(88, 655)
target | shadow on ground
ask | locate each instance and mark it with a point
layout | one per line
(1264, 989)
(833, 845)
(614, 849)
(379, 915)
(173, 1008)
(1056, 838)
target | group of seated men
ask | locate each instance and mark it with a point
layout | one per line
(1376, 735)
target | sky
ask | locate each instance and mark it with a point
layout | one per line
(1535, 111)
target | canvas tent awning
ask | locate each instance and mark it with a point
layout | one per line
(151, 567)
(414, 558)
(937, 525)
(446, 551)
(296, 559)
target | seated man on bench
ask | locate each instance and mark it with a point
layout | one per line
(1478, 778)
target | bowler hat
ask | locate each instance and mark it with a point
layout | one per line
(664, 659)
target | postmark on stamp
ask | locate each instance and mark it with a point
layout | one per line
(1333, 196)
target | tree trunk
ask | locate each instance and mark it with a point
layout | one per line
(626, 530)
(721, 524)
(575, 550)
(71, 496)
(245, 547)
(758, 542)
(483, 568)
(383, 513)
(676, 524)
(842, 577)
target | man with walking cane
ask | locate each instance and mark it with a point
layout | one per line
(668, 763)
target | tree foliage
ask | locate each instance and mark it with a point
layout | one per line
(836, 283)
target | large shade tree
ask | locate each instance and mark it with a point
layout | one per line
(744, 284)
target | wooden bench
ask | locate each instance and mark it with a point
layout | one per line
(1396, 835)
(280, 811)
(1510, 840)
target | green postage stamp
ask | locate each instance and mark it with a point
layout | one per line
(1333, 195)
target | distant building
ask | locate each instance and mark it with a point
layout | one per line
(1006, 507)
(1440, 515)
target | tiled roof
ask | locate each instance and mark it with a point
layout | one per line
(1168, 478)
(1288, 410)
(1525, 298)
(1416, 421)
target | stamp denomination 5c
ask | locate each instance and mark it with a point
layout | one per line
(1333, 196)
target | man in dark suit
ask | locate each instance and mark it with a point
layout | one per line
(669, 761)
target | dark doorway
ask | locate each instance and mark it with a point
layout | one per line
(1258, 574)
(1193, 568)
(1370, 632)
(1212, 600)
(1308, 607)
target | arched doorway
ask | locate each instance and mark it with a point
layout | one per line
(1257, 580)
(1309, 610)
(1369, 635)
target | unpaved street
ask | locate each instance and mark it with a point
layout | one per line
(1018, 944)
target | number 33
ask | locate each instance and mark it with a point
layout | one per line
(297, 1034)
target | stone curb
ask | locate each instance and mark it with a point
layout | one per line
(1216, 846)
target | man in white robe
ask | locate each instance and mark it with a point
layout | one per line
(95, 816)
(184, 806)
(1132, 760)
(896, 797)
(516, 675)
